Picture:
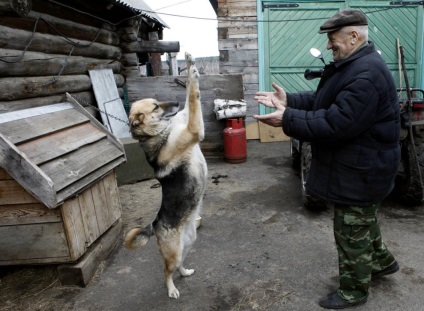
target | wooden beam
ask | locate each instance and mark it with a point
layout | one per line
(25, 87)
(81, 273)
(155, 59)
(65, 27)
(30, 176)
(145, 46)
(17, 39)
(42, 64)
(15, 88)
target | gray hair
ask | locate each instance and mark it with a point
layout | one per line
(361, 30)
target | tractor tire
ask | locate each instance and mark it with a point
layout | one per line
(309, 201)
(409, 183)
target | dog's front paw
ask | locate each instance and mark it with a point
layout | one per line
(189, 59)
(173, 293)
(194, 73)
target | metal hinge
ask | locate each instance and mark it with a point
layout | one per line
(279, 5)
(407, 3)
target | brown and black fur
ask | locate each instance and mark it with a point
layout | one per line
(170, 140)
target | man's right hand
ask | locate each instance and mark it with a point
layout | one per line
(272, 99)
(278, 100)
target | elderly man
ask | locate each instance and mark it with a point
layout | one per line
(352, 121)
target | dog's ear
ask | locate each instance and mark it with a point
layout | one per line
(170, 109)
(135, 120)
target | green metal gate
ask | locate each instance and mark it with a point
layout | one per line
(287, 30)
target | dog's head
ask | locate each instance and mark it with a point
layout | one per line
(148, 117)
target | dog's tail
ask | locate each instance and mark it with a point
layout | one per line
(138, 237)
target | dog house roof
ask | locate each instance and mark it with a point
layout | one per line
(56, 151)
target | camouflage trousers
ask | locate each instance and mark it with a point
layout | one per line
(360, 248)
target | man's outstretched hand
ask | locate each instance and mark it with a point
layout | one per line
(278, 100)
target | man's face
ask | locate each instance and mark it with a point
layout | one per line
(340, 42)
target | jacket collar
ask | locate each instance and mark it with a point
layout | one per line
(364, 50)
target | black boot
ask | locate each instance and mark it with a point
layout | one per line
(393, 268)
(334, 301)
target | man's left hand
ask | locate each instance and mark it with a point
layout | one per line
(274, 119)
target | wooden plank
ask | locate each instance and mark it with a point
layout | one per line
(100, 204)
(13, 105)
(54, 145)
(20, 131)
(74, 228)
(13, 193)
(241, 44)
(71, 167)
(33, 112)
(80, 274)
(95, 123)
(32, 242)
(112, 194)
(269, 133)
(27, 214)
(109, 102)
(34, 180)
(88, 180)
(89, 219)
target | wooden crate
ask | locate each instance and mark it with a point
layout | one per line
(32, 233)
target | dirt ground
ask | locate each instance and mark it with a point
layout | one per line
(258, 248)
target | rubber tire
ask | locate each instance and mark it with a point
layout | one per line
(309, 201)
(408, 183)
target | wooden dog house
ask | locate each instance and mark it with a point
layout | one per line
(58, 190)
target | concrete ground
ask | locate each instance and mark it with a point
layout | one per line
(258, 248)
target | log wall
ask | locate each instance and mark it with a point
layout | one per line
(238, 46)
(49, 51)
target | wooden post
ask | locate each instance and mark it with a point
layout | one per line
(155, 57)
(172, 63)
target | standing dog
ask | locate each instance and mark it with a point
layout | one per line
(170, 140)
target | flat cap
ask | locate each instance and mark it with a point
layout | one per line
(343, 18)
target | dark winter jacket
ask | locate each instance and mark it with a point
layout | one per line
(352, 121)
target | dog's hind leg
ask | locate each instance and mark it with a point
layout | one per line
(170, 248)
(188, 239)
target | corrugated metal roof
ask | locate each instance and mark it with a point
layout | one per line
(144, 9)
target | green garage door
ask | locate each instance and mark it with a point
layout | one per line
(290, 29)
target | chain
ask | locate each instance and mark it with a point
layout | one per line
(100, 110)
